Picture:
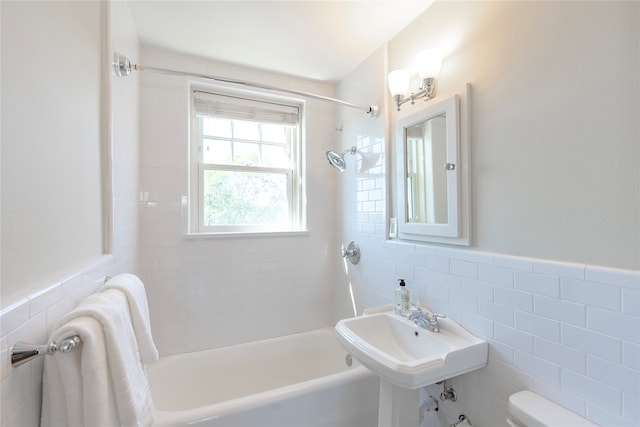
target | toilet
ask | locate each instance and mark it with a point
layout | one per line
(528, 409)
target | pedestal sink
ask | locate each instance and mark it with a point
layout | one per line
(407, 357)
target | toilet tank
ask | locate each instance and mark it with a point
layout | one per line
(531, 410)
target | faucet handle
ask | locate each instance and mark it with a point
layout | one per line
(433, 321)
(433, 317)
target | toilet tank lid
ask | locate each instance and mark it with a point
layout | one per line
(536, 411)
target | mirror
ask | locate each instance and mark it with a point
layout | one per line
(429, 175)
(426, 192)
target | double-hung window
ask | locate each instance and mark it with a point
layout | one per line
(246, 173)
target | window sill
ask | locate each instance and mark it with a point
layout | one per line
(241, 234)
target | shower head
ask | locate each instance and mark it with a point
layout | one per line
(337, 160)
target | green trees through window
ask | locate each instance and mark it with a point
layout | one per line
(245, 198)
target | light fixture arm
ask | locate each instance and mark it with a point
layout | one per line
(122, 67)
(427, 91)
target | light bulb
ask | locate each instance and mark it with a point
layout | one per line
(398, 81)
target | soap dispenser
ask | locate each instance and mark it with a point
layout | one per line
(402, 299)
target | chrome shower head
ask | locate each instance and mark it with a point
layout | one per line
(337, 160)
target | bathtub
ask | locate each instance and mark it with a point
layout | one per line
(300, 380)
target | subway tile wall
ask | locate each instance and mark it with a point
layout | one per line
(581, 356)
(197, 287)
(544, 333)
(30, 320)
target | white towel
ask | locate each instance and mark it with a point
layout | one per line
(133, 288)
(103, 380)
(68, 378)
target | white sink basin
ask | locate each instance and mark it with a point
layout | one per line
(409, 356)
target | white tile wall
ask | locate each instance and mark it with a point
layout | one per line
(567, 348)
(30, 319)
(264, 286)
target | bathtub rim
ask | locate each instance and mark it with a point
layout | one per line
(327, 330)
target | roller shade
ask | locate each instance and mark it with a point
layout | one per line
(229, 107)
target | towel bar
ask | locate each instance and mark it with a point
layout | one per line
(23, 352)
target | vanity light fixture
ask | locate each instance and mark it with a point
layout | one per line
(428, 62)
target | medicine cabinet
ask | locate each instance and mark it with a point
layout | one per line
(432, 177)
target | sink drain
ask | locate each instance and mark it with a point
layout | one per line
(348, 360)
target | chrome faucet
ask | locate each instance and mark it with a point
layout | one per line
(428, 321)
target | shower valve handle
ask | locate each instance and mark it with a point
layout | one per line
(349, 253)
(352, 253)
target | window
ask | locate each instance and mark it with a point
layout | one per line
(245, 165)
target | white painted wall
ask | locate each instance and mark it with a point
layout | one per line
(548, 292)
(263, 286)
(555, 155)
(29, 312)
(51, 182)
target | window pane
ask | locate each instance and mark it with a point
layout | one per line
(244, 198)
(275, 156)
(246, 130)
(216, 127)
(216, 151)
(275, 133)
(246, 154)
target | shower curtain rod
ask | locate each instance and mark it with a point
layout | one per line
(122, 67)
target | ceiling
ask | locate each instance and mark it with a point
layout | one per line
(322, 40)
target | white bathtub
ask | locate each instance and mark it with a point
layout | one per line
(299, 380)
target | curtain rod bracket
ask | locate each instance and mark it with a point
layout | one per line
(373, 111)
(122, 67)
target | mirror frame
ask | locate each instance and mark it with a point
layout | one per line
(453, 232)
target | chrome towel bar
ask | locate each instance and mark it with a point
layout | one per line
(23, 352)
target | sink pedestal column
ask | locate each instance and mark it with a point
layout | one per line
(398, 407)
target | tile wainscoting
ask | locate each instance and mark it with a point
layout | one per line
(570, 332)
(30, 319)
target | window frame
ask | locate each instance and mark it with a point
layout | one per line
(295, 175)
